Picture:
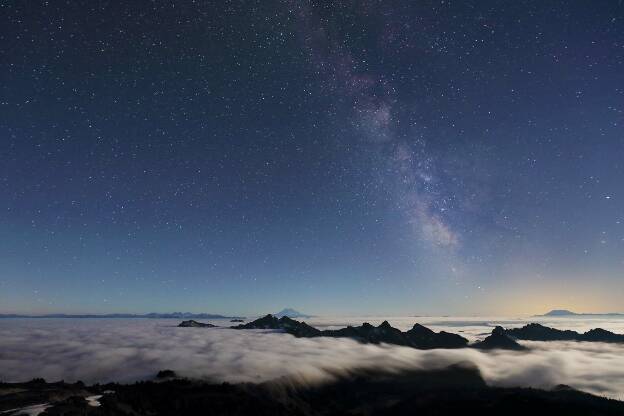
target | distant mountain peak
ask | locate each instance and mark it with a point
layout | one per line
(565, 312)
(291, 313)
(194, 324)
(560, 312)
(499, 340)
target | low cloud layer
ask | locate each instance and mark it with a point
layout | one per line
(120, 350)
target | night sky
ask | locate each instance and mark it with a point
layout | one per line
(364, 157)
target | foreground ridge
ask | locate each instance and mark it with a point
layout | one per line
(455, 390)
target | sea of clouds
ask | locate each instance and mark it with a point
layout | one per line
(102, 350)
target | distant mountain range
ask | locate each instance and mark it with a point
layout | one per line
(173, 315)
(421, 337)
(564, 312)
(291, 313)
(417, 337)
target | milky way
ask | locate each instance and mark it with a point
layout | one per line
(348, 157)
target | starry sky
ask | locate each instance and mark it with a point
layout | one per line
(356, 157)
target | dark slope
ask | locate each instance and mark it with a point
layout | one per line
(368, 333)
(194, 324)
(417, 337)
(296, 328)
(423, 337)
(457, 390)
(37, 391)
(601, 335)
(499, 340)
(537, 332)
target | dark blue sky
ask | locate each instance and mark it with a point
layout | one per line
(358, 157)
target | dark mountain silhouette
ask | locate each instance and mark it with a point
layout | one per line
(368, 333)
(165, 374)
(565, 312)
(537, 332)
(417, 337)
(559, 312)
(194, 324)
(423, 337)
(456, 390)
(498, 340)
(266, 322)
(296, 328)
(172, 315)
(601, 335)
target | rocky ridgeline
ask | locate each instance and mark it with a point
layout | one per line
(194, 324)
(421, 337)
(499, 340)
(537, 332)
(418, 337)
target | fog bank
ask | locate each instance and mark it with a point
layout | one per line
(129, 350)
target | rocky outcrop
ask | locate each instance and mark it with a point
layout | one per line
(537, 332)
(499, 340)
(421, 337)
(296, 328)
(194, 324)
(601, 335)
(424, 338)
(368, 333)
(417, 337)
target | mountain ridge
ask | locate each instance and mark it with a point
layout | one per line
(418, 337)
(151, 315)
(537, 332)
(566, 312)
(421, 337)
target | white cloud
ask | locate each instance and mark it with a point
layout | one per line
(118, 350)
